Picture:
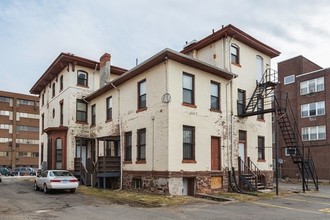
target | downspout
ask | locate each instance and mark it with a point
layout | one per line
(121, 139)
(228, 47)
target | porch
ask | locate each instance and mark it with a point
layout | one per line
(98, 164)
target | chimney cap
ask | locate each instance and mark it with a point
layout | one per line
(105, 56)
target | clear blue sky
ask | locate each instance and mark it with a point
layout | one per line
(34, 32)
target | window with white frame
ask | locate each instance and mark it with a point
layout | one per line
(290, 151)
(313, 85)
(289, 79)
(313, 109)
(313, 133)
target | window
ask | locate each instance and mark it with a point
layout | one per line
(313, 133)
(137, 183)
(58, 155)
(26, 115)
(260, 107)
(42, 99)
(313, 109)
(5, 140)
(61, 112)
(26, 141)
(42, 152)
(5, 99)
(128, 146)
(4, 154)
(188, 143)
(109, 108)
(93, 114)
(141, 144)
(53, 90)
(142, 98)
(81, 113)
(5, 126)
(26, 128)
(234, 50)
(5, 113)
(25, 102)
(290, 151)
(53, 112)
(61, 83)
(215, 96)
(260, 68)
(82, 78)
(313, 85)
(261, 148)
(241, 97)
(188, 88)
(22, 154)
(289, 79)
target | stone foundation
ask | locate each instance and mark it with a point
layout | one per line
(171, 183)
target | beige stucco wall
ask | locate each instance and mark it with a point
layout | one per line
(69, 94)
(206, 123)
(154, 119)
(218, 54)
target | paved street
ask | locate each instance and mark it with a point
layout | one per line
(18, 201)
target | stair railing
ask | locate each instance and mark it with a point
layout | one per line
(261, 177)
(84, 173)
(283, 106)
(265, 90)
(244, 169)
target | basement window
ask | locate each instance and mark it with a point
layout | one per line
(137, 183)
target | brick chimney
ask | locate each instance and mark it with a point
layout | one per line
(105, 69)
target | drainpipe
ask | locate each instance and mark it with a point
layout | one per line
(121, 139)
(231, 103)
(153, 142)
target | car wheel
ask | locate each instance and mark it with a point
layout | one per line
(46, 190)
(35, 187)
(72, 190)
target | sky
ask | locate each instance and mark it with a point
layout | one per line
(34, 32)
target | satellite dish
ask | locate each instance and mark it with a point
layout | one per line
(280, 161)
(166, 98)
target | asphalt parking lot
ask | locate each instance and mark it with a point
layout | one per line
(19, 201)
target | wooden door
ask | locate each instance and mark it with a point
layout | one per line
(215, 153)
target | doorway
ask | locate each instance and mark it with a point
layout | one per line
(215, 153)
(188, 186)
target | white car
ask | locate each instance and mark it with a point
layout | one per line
(56, 179)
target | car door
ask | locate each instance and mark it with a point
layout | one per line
(42, 178)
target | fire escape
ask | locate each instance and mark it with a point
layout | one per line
(265, 100)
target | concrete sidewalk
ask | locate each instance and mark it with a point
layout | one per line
(296, 187)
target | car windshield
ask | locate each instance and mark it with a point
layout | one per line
(60, 173)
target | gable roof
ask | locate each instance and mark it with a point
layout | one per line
(237, 34)
(63, 61)
(157, 59)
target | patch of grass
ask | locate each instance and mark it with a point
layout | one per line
(140, 199)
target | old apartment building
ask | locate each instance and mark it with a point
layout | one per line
(19, 130)
(168, 125)
(306, 85)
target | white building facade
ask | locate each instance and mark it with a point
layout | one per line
(172, 120)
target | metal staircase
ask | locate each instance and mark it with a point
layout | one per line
(261, 100)
(264, 100)
(299, 154)
(250, 176)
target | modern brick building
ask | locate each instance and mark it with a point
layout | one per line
(19, 130)
(305, 83)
